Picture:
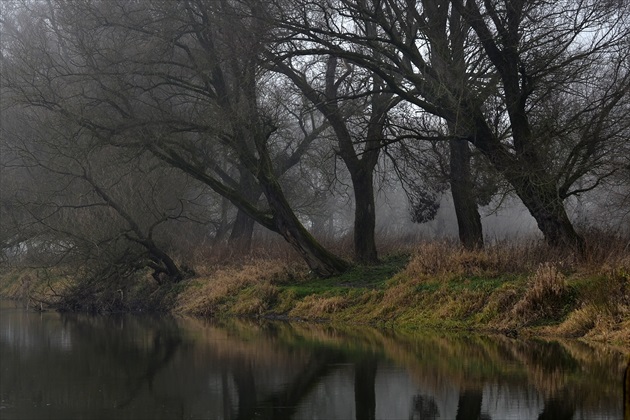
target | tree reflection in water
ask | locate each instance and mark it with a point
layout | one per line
(469, 406)
(424, 407)
(364, 388)
(70, 367)
(558, 409)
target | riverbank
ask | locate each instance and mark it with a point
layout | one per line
(516, 290)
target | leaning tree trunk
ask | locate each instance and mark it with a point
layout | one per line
(165, 270)
(280, 218)
(322, 262)
(364, 217)
(540, 196)
(535, 187)
(464, 200)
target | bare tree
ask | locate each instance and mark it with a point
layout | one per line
(429, 161)
(180, 80)
(89, 204)
(299, 130)
(518, 53)
(356, 109)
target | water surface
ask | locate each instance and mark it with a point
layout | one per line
(68, 366)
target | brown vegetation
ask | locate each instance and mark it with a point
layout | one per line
(526, 289)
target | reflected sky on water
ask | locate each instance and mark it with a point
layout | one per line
(69, 366)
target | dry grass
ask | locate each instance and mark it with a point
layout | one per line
(501, 301)
(510, 286)
(590, 322)
(579, 322)
(443, 259)
(604, 253)
(504, 286)
(256, 300)
(604, 313)
(34, 287)
(207, 295)
(545, 295)
(314, 307)
(403, 293)
(207, 259)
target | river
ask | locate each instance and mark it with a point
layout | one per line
(73, 366)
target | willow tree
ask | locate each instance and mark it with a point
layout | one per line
(517, 55)
(180, 80)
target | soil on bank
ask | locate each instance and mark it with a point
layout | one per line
(514, 290)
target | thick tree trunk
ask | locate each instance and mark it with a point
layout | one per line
(322, 262)
(360, 168)
(243, 228)
(364, 217)
(520, 163)
(242, 232)
(540, 196)
(534, 186)
(164, 268)
(282, 219)
(466, 210)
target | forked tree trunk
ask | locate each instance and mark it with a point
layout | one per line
(360, 164)
(447, 57)
(464, 200)
(521, 163)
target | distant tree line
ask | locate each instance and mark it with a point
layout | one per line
(127, 125)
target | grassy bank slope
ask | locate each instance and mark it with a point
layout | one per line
(513, 289)
(509, 289)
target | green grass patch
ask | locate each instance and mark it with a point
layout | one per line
(373, 276)
(357, 277)
(428, 287)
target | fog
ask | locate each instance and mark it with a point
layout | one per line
(131, 149)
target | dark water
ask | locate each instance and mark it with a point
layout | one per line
(139, 367)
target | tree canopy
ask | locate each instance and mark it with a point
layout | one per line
(161, 115)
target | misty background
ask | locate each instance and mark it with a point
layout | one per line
(135, 134)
